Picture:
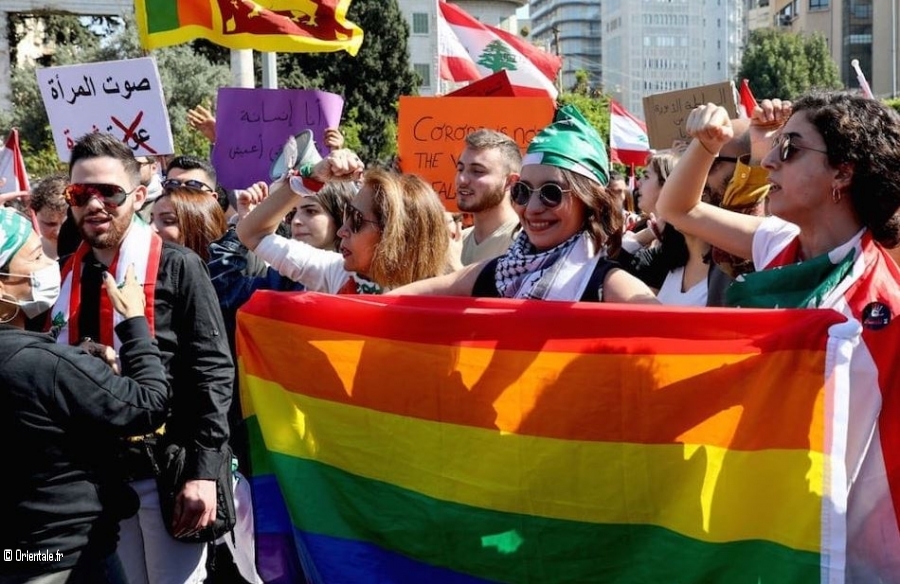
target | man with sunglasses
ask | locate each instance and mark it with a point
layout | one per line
(199, 174)
(184, 316)
(488, 165)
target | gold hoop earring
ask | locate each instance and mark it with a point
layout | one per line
(836, 195)
(5, 320)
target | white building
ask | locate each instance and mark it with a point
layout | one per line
(577, 25)
(423, 45)
(654, 46)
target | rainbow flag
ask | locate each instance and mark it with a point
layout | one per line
(460, 440)
(290, 26)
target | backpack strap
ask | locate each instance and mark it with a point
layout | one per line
(595, 283)
(486, 285)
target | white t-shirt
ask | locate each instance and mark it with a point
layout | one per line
(670, 292)
(319, 270)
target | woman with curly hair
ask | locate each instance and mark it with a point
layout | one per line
(834, 171)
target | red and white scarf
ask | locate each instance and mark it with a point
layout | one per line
(141, 247)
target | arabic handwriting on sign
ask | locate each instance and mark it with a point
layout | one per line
(286, 116)
(70, 143)
(86, 89)
(255, 150)
(54, 92)
(110, 86)
(142, 85)
(134, 135)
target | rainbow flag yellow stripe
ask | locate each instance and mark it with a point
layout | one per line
(446, 440)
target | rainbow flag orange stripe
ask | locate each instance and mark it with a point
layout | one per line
(306, 26)
(473, 440)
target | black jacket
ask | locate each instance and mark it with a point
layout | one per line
(192, 340)
(61, 411)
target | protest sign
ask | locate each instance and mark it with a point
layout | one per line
(432, 132)
(666, 113)
(252, 126)
(123, 98)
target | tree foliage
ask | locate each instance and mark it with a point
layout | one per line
(592, 102)
(187, 79)
(786, 65)
(371, 82)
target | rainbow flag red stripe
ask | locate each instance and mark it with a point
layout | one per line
(400, 439)
(299, 26)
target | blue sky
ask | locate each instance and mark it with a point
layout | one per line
(522, 12)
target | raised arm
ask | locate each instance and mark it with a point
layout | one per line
(679, 201)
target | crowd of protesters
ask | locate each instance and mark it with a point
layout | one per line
(799, 206)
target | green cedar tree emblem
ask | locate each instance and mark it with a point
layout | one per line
(497, 56)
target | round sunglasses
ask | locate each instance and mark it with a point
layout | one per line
(550, 194)
(79, 194)
(787, 149)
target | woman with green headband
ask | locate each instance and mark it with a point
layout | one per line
(570, 225)
(61, 410)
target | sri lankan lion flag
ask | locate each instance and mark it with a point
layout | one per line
(298, 26)
(460, 440)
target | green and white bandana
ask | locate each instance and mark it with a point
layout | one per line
(15, 229)
(570, 142)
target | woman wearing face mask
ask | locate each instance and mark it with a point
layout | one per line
(61, 411)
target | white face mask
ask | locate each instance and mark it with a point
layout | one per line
(45, 285)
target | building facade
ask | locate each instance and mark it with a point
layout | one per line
(575, 25)
(865, 30)
(421, 15)
(655, 46)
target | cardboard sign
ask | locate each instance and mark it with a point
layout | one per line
(123, 98)
(665, 113)
(496, 85)
(252, 126)
(432, 132)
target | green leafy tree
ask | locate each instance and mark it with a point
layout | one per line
(187, 79)
(497, 57)
(371, 82)
(593, 103)
(786, 65)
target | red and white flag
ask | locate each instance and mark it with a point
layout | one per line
(747, 101)
(12, 166)
(628, 142)
(470, 50)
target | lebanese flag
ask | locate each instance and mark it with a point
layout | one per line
(748, 102)
(470, 50)
(628, 142)
(12, 165)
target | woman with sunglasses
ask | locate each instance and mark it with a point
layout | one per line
(61, 413)
(570, 222)
(393, 231)
(834, 171)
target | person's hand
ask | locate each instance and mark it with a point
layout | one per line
(339, 165)
(767, 119)
(250, 197)
(710, 125)
(334, 140)
(128, 298)
(103, 352)
(195, 507)
(7, 197)
(202, 120)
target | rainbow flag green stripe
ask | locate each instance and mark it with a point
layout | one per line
(384, 453)
(513, 547)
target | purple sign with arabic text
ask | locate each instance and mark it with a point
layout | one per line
(252, 126)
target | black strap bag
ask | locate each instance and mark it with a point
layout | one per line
(170, 481)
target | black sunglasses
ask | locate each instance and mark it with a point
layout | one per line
(173, 183)
(355, 219)
(550, 194)
(787, 149)
(79, 194)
